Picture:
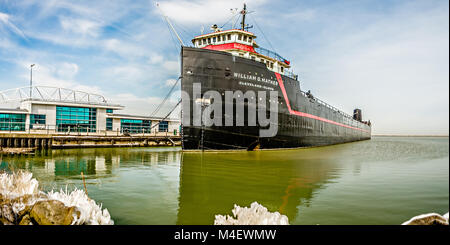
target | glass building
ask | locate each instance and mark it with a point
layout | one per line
(135, 126)
(63, 111)
(76, 119)
(109, 124)
(163, 126)
(37, 121)
(12, 122)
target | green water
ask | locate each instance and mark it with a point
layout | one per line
(386, 180)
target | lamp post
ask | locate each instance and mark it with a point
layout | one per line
(31, 80)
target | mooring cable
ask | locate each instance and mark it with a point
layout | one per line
(165, 98)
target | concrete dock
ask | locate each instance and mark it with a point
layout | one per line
(58, 141)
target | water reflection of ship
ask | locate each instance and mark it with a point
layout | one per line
(211, 184)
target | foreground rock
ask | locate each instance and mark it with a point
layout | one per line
(255, 215)
(52, 212)
(428, 219)
(21, 203)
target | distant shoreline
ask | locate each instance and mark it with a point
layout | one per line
(406, 135)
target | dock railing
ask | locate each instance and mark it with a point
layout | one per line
(47, 129)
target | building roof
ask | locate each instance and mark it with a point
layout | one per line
(75, 104)
(12, 110)
(53, 95)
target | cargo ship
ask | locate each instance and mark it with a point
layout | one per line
(231, 63)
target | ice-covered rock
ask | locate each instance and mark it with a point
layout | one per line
(256, 214)
(18, 184)
(90, 212)
(19, 195)
(428, 219)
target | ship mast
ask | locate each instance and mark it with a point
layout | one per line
(243, 12)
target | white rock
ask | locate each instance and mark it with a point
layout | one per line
(425, 219)
(21, 183)
(255, 215)
(18, 184)
(90, 212)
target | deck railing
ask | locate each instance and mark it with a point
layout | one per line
(290, 74)
(270, 54)
(321, 102)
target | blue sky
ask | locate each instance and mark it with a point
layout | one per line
(389, 58)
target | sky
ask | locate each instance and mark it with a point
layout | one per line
(388, 58)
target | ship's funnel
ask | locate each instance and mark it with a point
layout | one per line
(357, 115)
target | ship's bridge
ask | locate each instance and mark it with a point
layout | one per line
(242, 43)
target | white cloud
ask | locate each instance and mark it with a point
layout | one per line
(144, 106)
(80, 26)
(171, 66)
(307, 14)
(126, 73)
(57, 75)
(5, 19)
(156, 59)
(129, 50)
(67, 70)
(203, 12)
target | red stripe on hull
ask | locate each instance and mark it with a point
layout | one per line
(302, 114)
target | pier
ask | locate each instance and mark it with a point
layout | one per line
(44, 141)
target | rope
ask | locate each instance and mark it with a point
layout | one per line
(232, 17)
(271, 46)
(164, 100)
(171, 36)
(168, 114)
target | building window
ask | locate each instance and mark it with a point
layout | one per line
(249, 39)
(253, 58)
(214, 39)
(239, 37)
(109, 111)
(163, 126)
(76, 119)
(37, 121)
(204, 41)
(12, 122)
(109, 124)
(245, 38)
(229, 37)
(209, 40)
(135, 126)
(282, 69)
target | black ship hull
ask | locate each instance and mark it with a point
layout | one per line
(303, 121)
